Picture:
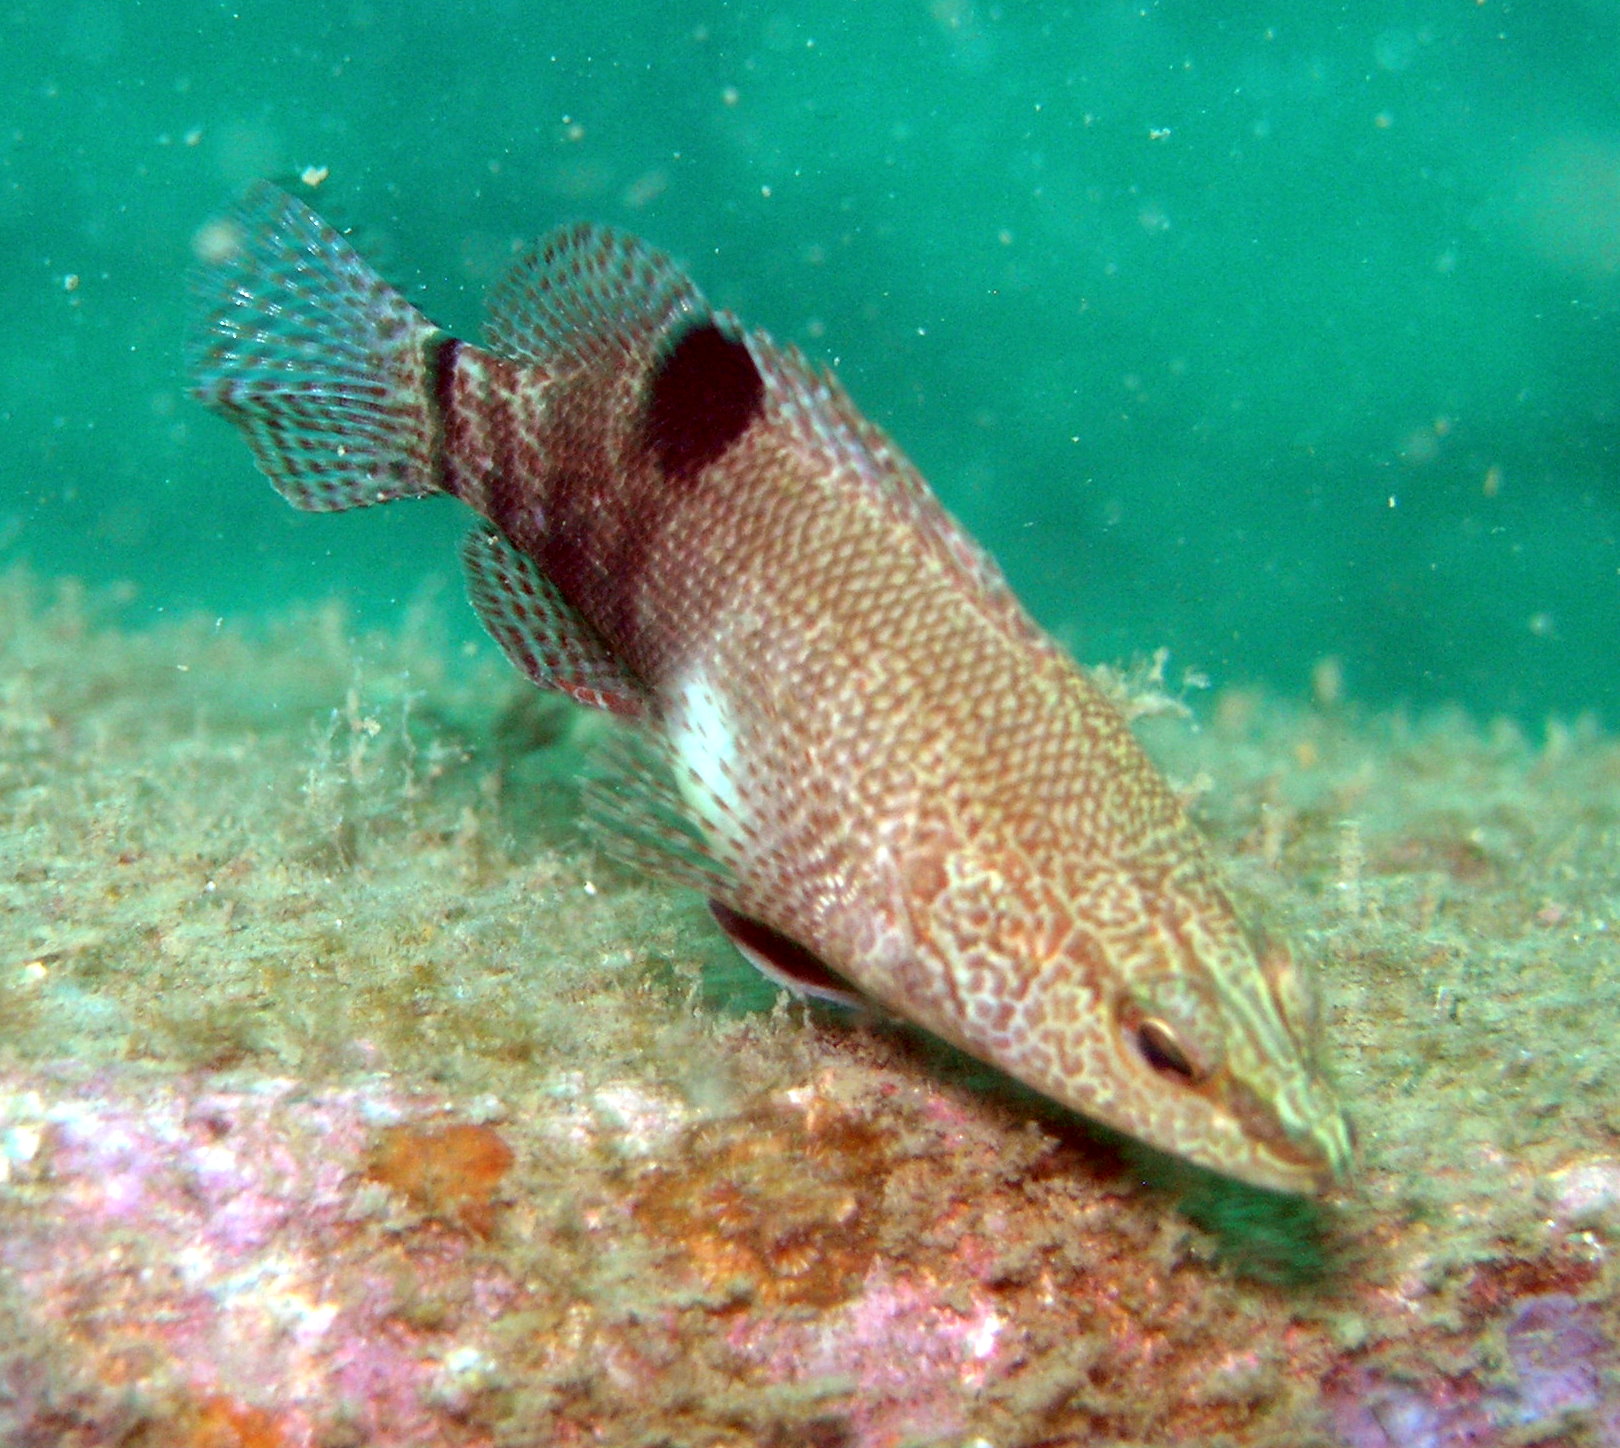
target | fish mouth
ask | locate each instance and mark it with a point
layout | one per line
(1301, 1171)
(1335, 1142)
(1327, 1139)
(1315, 1170)
(1309, 1156)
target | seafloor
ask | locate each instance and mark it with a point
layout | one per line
(347, 1097)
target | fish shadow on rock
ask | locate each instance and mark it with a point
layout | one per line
(1261, 1236)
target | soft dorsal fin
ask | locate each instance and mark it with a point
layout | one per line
(540, 632)
(586, 291)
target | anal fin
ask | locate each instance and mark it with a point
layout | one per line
(540, 631)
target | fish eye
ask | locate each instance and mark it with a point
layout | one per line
(1160, 1049)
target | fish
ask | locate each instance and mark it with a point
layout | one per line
(840, 724)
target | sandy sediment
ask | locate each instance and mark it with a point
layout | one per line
(347, 1096)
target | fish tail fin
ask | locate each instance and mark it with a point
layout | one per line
(327, 370)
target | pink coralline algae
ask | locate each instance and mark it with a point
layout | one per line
(263, 1265)
(906, 1354)
(863, 1259)
(197, 1248)
(1557, 1362)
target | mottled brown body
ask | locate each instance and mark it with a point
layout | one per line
(867, 746)
(880, 663)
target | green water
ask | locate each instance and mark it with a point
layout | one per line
(1262, 337)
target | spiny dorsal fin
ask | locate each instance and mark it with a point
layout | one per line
(811, 404)
(585, 295)
(539, 631)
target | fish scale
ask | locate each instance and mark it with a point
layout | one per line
(848, 733)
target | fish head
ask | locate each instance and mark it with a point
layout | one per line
(1150, 1009)
(1207, 1045)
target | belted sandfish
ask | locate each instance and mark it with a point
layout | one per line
(850, 736)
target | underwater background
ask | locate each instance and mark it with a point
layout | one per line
(1286, 337)
(348, 1096)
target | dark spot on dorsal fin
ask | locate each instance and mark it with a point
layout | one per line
(705, 391)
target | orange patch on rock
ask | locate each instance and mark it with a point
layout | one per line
(771, 1206)
(222, 1422)
(448, 1172)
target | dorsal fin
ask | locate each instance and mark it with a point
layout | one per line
(810, 403)
(587, 293)
(704, 392)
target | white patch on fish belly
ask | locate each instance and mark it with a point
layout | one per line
(703, 748)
